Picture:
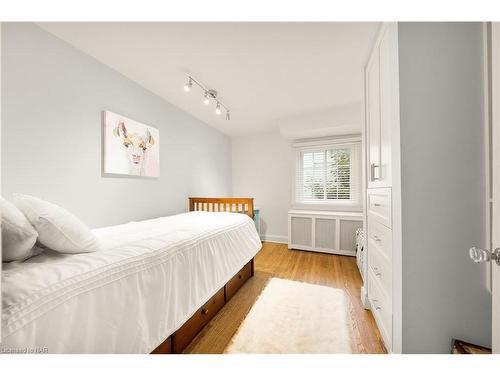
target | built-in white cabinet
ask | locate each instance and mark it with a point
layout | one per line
(387, 103)
(378, 114)
(379, 251)
(381, 130)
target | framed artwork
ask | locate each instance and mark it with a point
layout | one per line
(130, 147)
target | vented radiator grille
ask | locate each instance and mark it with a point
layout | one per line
(302, 231)
(325, 233)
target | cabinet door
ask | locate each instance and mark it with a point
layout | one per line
(373, 118)
(386, 109)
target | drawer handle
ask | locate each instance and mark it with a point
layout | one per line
(374, 176)
(376, 238)
(376, 271)
(204, 311)
(377, 204)
(240, 276)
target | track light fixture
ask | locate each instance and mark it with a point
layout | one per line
(209, 96)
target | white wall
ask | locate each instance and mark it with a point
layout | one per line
(262, 169)
(52, 98)
(331, 122)
(0, 164)
(443, 185)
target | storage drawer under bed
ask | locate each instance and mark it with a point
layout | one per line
(238, 280)
(183, 336)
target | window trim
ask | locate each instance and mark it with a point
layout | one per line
(354, 144)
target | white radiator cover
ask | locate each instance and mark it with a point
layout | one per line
(324, 231)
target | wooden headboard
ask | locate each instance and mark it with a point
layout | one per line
(240, 205)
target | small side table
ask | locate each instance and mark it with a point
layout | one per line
(256, 219)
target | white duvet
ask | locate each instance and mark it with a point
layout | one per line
(150, 277)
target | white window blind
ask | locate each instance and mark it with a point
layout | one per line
(327, 174)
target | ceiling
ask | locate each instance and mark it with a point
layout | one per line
(263, 72)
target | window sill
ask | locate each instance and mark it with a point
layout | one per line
(320, 206)
(319, 213)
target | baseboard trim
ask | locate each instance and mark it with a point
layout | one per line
(364, 298)
(277, 239)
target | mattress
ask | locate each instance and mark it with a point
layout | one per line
(149, 278)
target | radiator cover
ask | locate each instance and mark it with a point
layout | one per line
(324, 231)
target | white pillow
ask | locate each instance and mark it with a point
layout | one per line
(18, 235)
(57, 229)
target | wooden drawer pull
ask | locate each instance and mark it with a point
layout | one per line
(204, 311)
(238, 280)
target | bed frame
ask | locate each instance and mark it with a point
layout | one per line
(180, 339)
(240, 205)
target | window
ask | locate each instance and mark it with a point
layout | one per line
(328, 174)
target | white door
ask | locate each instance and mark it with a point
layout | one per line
(495, 101)
(492, 258)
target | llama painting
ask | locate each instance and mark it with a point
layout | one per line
(130, 148)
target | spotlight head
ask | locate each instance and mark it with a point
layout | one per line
(218, 111)
(188, 85)
(206, 101)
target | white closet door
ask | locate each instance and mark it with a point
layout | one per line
(386, 110)
(373, 118)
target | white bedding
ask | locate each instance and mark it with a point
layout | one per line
(150, 277)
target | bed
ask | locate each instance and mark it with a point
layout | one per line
(154, 285)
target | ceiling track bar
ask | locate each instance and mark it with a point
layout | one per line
(207, 90)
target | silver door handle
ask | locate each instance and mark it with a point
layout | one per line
(479, 255)
(372, 172)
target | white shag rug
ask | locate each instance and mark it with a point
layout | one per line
(291, 317)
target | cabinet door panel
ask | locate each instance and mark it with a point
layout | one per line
(373, 118)
(385, 110)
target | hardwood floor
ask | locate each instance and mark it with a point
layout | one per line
(275, 260)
